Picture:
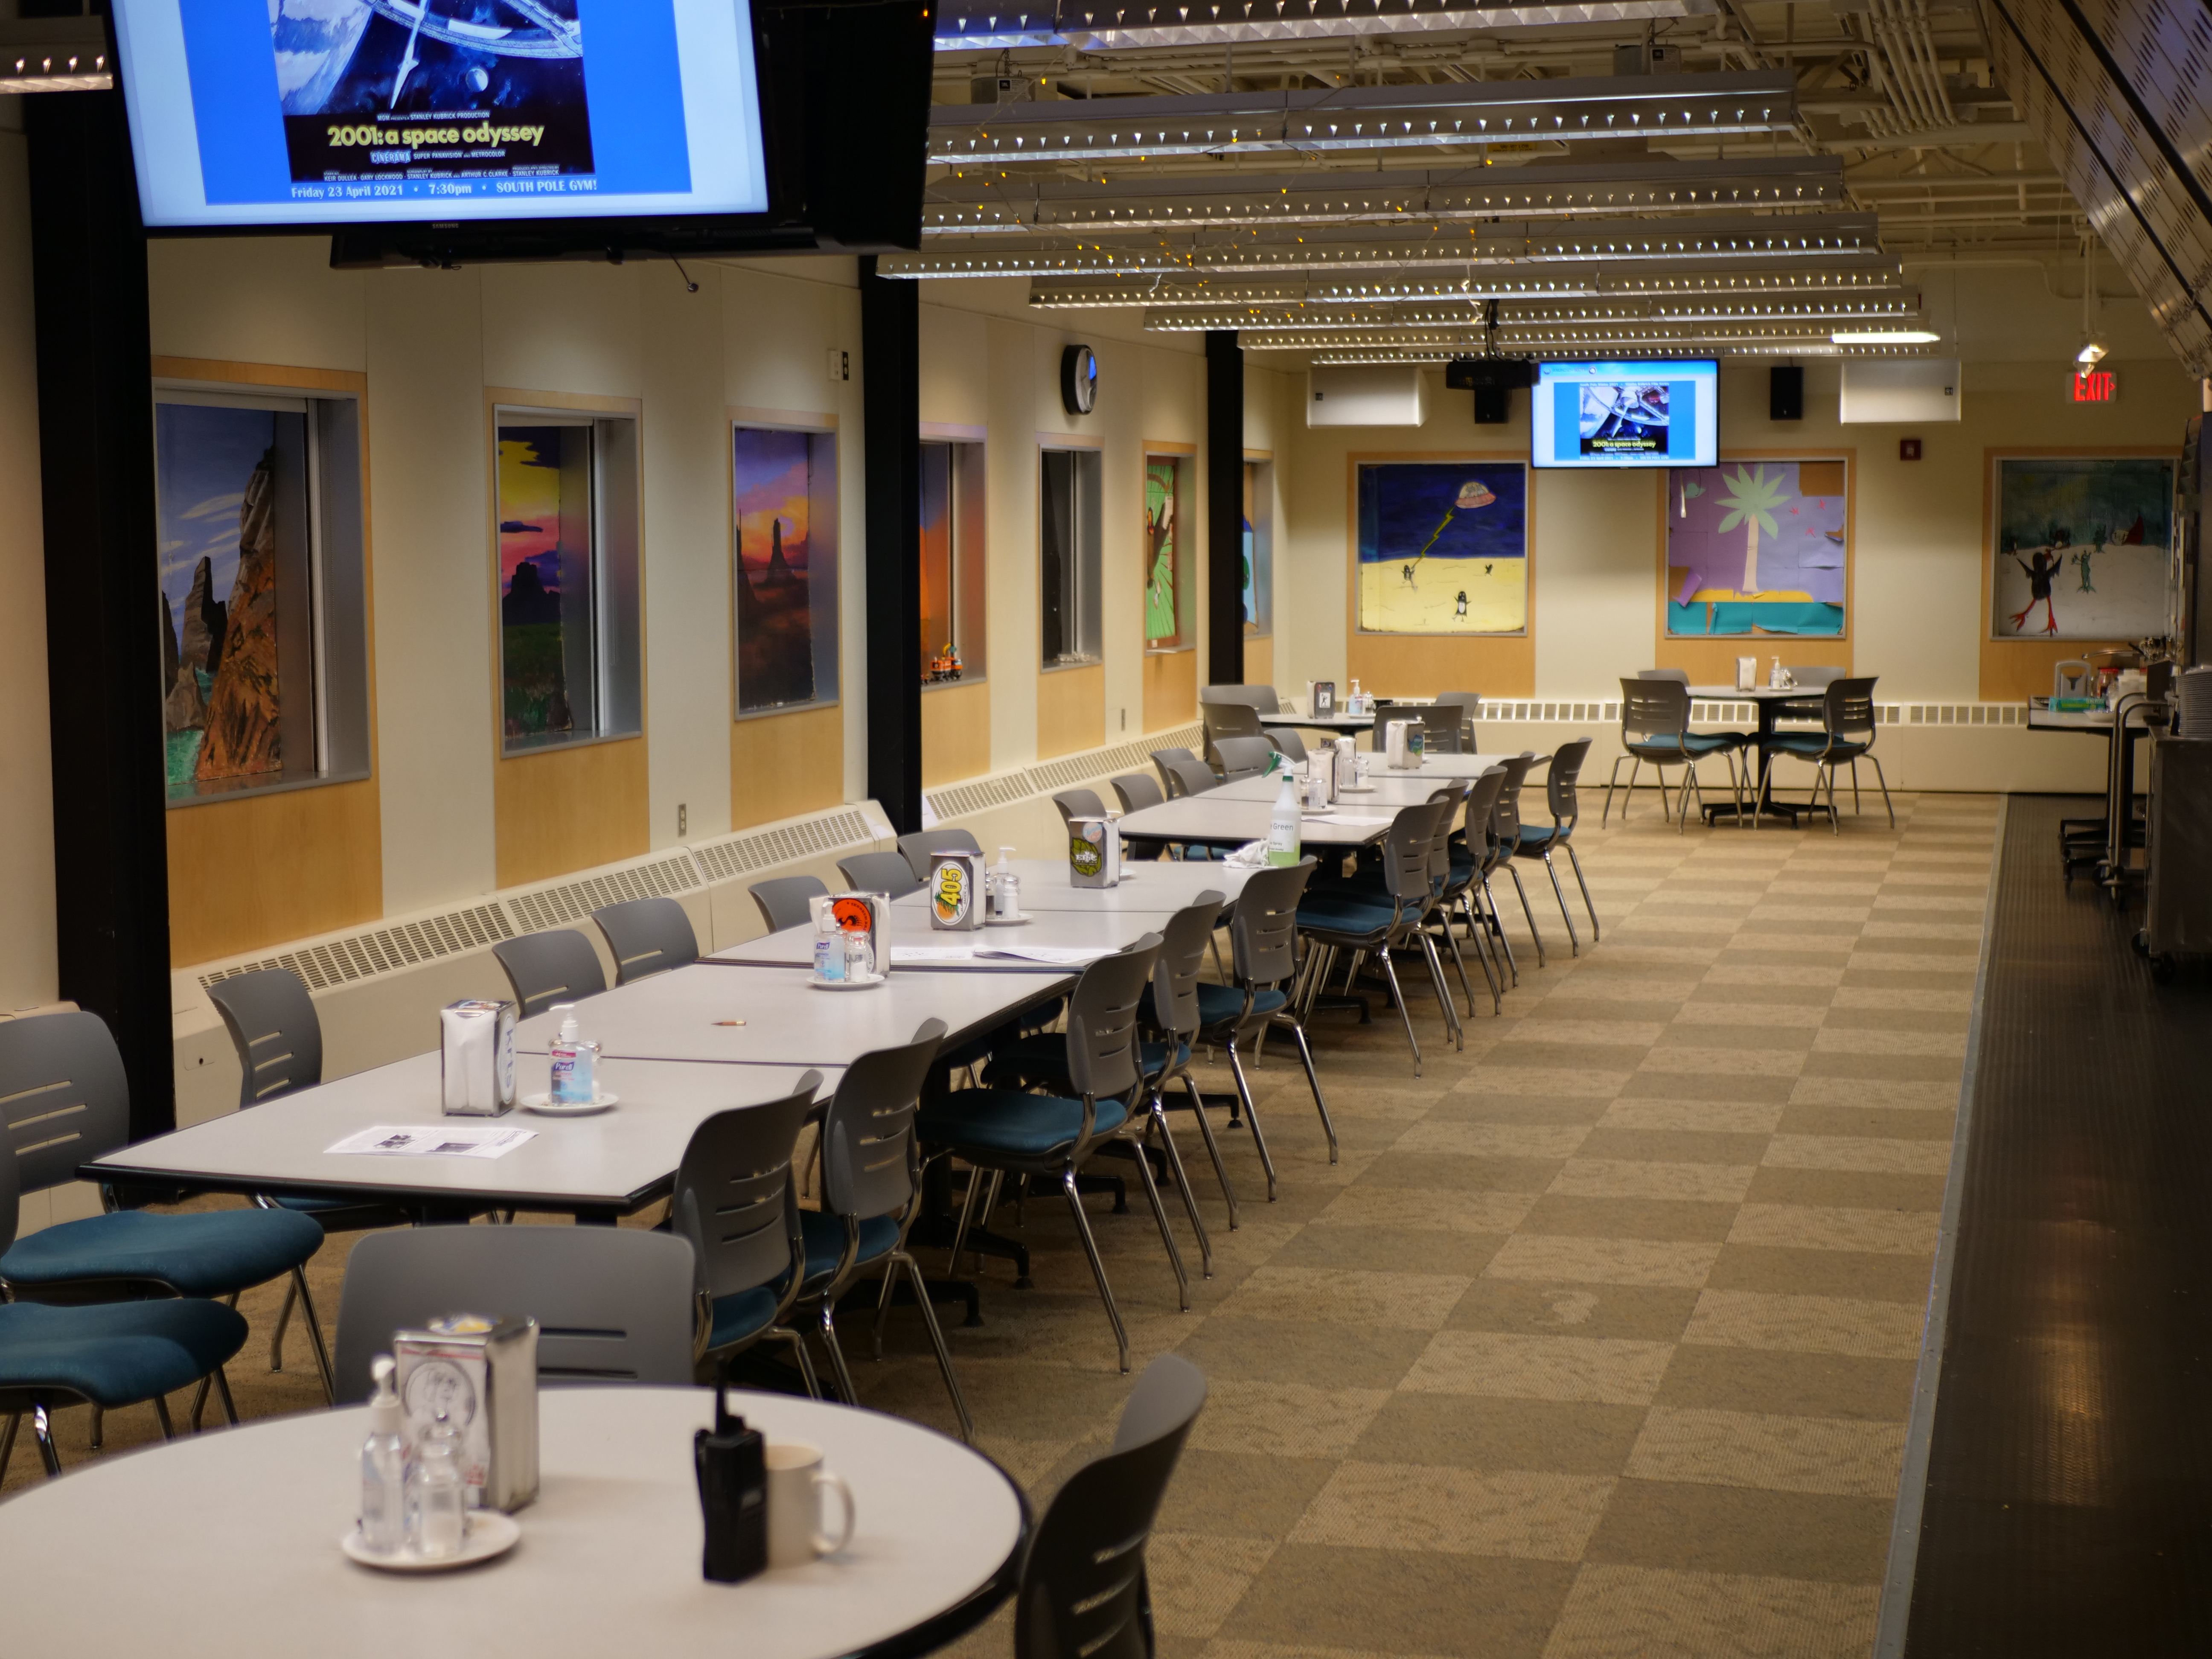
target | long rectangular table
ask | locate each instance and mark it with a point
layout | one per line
(609, 1163)
(1218, 819)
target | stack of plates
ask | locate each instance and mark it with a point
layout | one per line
(2193, 692)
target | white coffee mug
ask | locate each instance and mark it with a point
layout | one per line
(795, 1480)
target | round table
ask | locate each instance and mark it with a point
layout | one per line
(226, 1544)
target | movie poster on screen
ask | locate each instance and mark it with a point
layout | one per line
(2080, 547)
(1442, 547)
(455, 90)
(1758, 547)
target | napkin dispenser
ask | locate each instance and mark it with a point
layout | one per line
(1400, 745)
(956, 891)
(480, 1375)
(862, 913)
(477, 1048)
(1747, 673)
(1094, 853)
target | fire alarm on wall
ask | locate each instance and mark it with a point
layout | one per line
(1908, 449)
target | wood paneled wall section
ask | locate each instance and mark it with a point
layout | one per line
(1422, 664)
(781, 765)
(1710, 661)
(264, 869)
(956, 733)
(566, 809)
(1170, 689)
(2013, 671)
(1071, 710)
(1260, 662)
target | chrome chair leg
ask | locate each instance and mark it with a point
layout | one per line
(223, 1394)
(883, 1312)
(1251, 1117)
(1097, 1267)
(1313, 1082)
(1856, 808)
(1525, 912)
(1404, 1016)
(42, 1431)
(1477, 936)
(1597, 932)
(899, 1258)
(1574, 943)
(283, 1319)
(967, 1214)
(162, 1416)
(1498, 929)
(1690, 786)
(98, 1429)
(1160, 1218)
(1884, 782)
(315, 1336)
(1452, 1027)
(829, 1323)
(1611, 778)
(1174, 1154)
(7, 1442)
(1212, 1148)
(1459, 962)
(805, 1360)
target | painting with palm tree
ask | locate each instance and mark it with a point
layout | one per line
(1758, 547)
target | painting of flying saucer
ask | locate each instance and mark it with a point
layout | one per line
(1758, 547)
(1442, 547)
(432, 88)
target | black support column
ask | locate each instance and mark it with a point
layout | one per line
(890, 426)
(96, 478)
(1224, 508)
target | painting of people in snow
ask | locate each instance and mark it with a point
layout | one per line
(2080, 547)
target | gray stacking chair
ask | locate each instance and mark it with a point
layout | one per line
(1244, 757)
(1084, 1591)
(782, 902)
(1469, 704)
(1167, 760)
(1227, 720)
(1655, 730)
(1192, 777)
(1369, 925)
(558, 965)
(613, 1304)
(1680, 676)
(1847, 717)
(272, 1023)
(1440, 732)
(887, 873)
(1812, 677)
(1286, 740)
(1540, 842)
(1054, 1136)
(63, 1099)
(924, 844)
(1505, 832)
(116, 1354)
(647, 936)
(1079, 803)
(871, 1189)
(736, 1200)
(1136, 791)
(1261, 697)
(1263, 951)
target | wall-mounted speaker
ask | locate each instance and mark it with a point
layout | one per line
(1493, 405)
(1785, 393)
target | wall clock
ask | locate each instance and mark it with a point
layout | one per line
(1078, 380)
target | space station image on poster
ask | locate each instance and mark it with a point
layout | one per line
(430, 90)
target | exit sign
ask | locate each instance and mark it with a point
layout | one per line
(2096, 385)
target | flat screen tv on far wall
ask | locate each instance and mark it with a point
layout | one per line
(442, 129)
(1629, 413)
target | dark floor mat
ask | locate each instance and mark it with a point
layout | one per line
(2069, 1505)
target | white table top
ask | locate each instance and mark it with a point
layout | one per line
(679, 1015)
(1758, 693)
(2070, 719)
(618, 1160)
(1226, 820)
(225, 1546)
(1388, 790)
(907, 927)
(1163, 885)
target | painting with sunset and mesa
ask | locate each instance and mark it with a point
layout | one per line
(548, 671)
(772, 502)
(1758, 547)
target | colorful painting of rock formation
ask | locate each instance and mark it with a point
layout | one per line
(219, 477)
(771, 482)
(544, 576)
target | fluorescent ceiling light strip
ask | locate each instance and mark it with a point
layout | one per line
(1598, 349)
(1584, 283)
(1521, 314)
(1364, 117)
(996, 205)
(1821, 236)
(1108, 27)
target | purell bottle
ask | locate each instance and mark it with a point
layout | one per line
(575, 1063)
(1283, 825)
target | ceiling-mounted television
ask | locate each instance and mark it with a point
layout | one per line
(1657, 412)
(440, 132)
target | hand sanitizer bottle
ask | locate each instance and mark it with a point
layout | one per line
(384, 1468)
(575, 1063)
(1283, 825)
(1005, 888)
(436, 1499)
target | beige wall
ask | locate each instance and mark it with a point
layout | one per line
(1917, 619)
(26, 826)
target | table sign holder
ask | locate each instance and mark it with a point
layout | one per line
(1094, 853)
(956, 891)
